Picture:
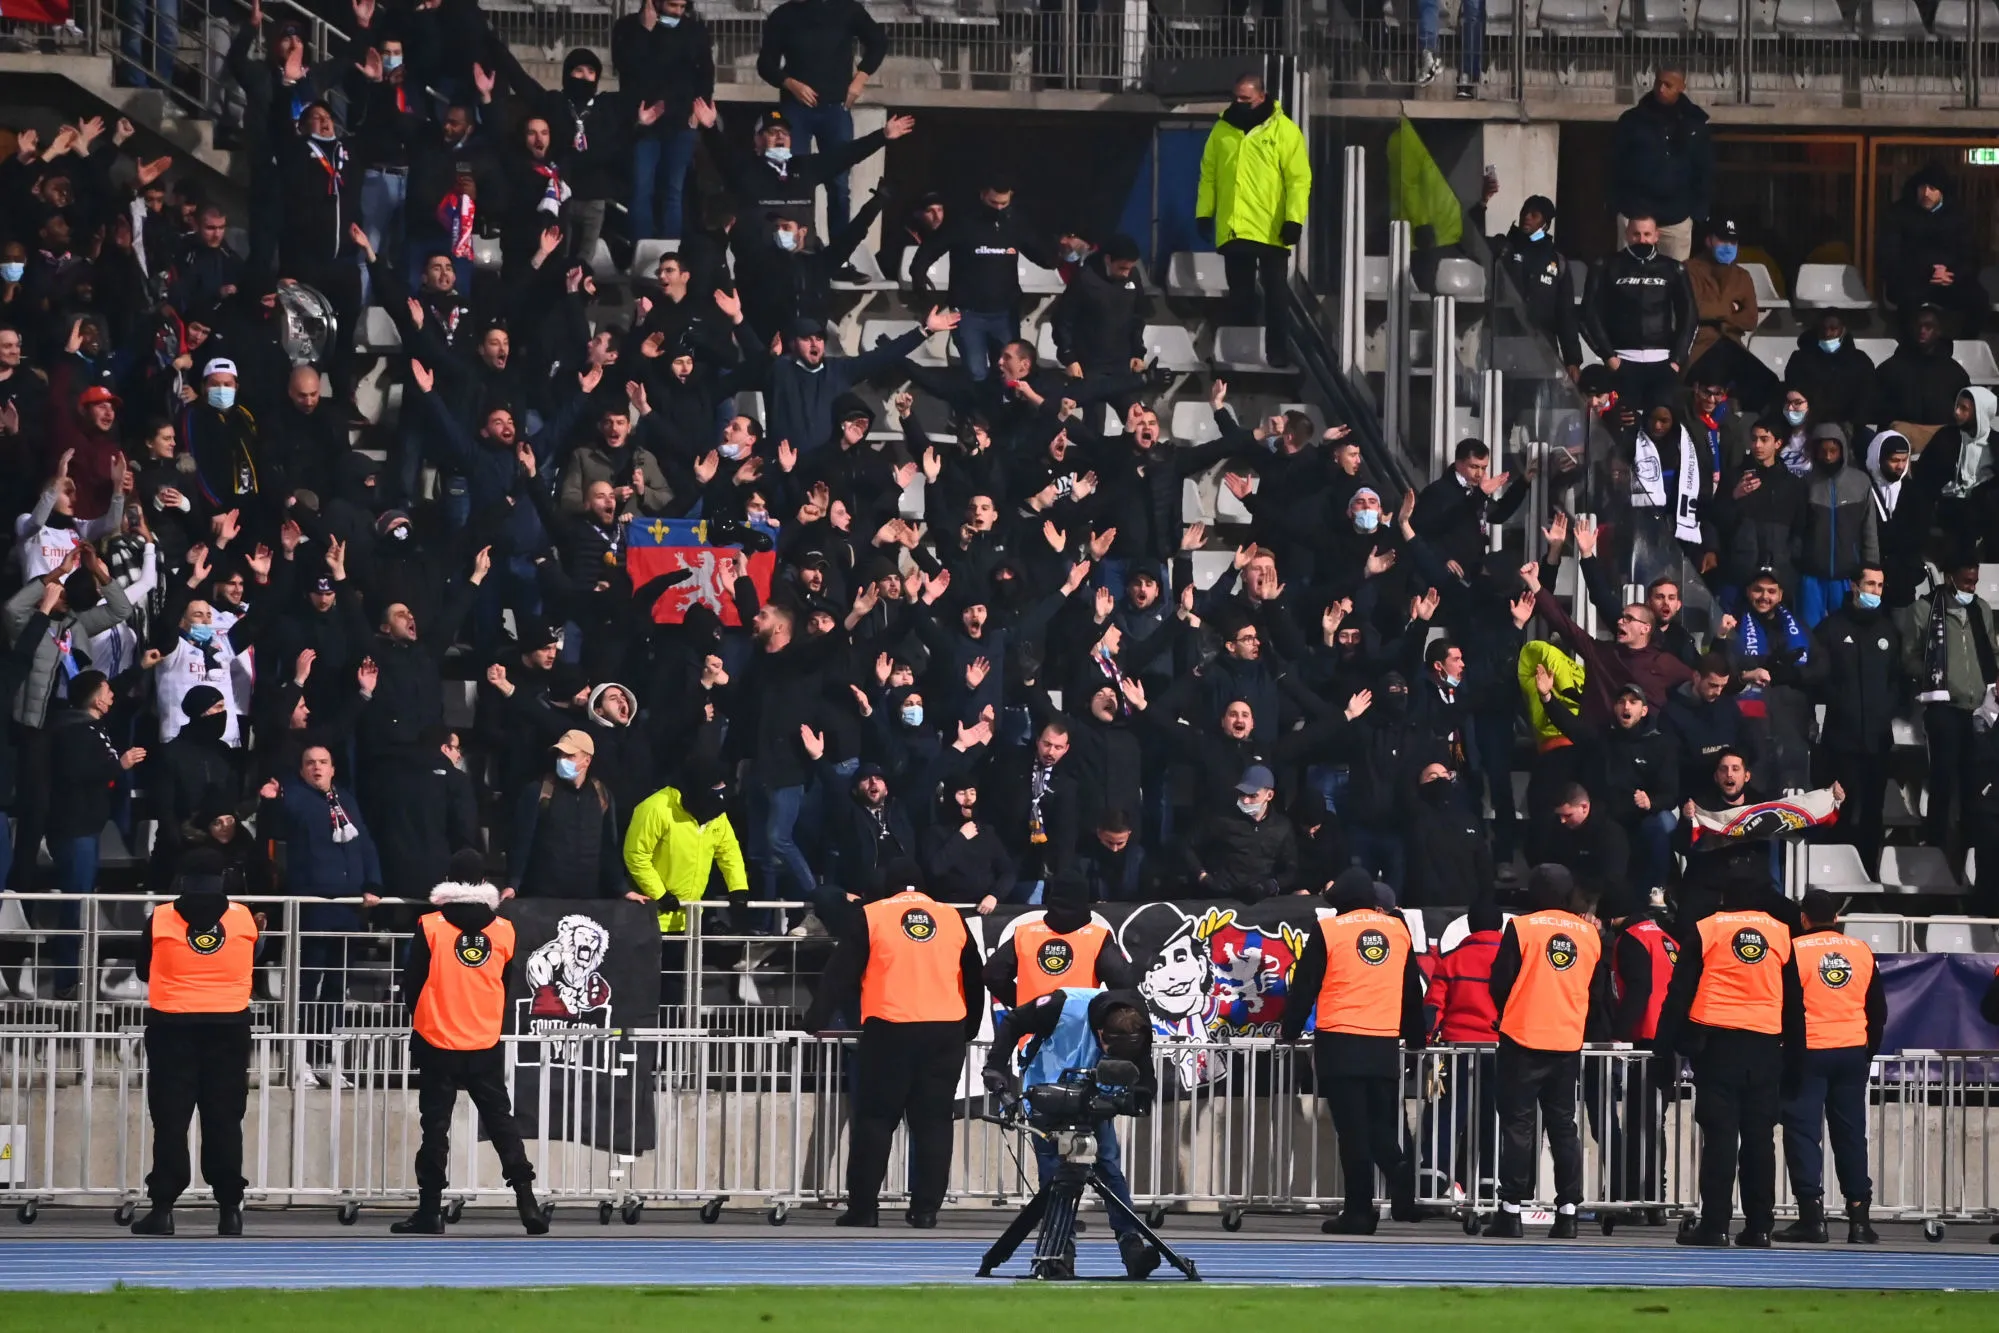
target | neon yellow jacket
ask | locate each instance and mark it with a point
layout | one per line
(667, 851)
(1252, 184)
(1568, 685)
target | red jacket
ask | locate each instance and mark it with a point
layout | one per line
(1462, 992)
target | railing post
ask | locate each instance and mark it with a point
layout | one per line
(1353, 262)
(1742, 51)
(1519, 50)
(1443, 380)
(1972, 64)
(1395, 365)
(1069, 43)
(695, 916)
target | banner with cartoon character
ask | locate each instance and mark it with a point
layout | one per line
(1208, 971)
(585, 969)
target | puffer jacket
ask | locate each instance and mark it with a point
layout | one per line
(1254, 182)
(31, 704)
(1841, 532)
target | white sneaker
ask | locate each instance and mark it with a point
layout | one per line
(305, 1080)
(1429, 68)
(127, 987)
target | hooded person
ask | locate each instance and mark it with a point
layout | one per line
(679, 838)
(461, 968)
(1928, 254)
(1976, 413)
(1841, 534)
(624, 750)
(1906, 490)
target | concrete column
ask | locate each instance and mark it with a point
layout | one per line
(1525, 157)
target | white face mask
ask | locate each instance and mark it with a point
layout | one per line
(670, 20)
(786, 240)
(392, 62)
(12, 272)
(565, 768)
(222, 397)
(777, 153)
(1367, 520)
(1250, 806)
(734, 451)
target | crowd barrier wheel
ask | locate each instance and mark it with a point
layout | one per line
(28, 1212)
(1232, 1219)
(711, 1211)
(634, 1209)
(454, 1210)
(1933, 1231)
(126, 1212)
(1607, 1222)
(605, 1209)
(349, 1214)
(779, 1214)
(1470, 1221)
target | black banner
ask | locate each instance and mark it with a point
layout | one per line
(586, 970)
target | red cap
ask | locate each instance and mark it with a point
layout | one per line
(97, 393)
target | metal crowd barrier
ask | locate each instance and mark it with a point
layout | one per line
(619, 1122)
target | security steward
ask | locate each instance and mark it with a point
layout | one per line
(1846, 1009)
(1551, 985)
(1642, 955)
(196, 957)
(1360, 980)
(918, 975)
(461, 962)
(1736, 1010)
(1073, 1027)
(1066, 948)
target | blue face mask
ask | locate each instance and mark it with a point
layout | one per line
(1725, 252)
(1829, 344)
(786, 240)
(201, 634)
(1964, 598)
(12, 272)
(778, 154)
(1452, 681)
(670, 20)
(222, 397)
(1795, 418)
(1539, 234)
(1869, 601)
(565, 768)
(392, 62)
(1367, 520)
(912, 716)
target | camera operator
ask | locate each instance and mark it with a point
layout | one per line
(1076, 1028)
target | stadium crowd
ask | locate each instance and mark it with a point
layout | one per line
(229, 618)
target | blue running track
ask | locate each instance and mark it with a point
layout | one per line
(88, 1265)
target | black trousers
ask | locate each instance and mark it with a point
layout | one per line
(1547, 1079)
(1952, 770)
(482, 1075)
(1367, 1116)
(1248, 265)
(904, 1071)
(1737, 1095)
(1865, 777)
(197, 1067)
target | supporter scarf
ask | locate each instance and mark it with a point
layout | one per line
(331, 163)
(1765, 819)
(1756, 640)
(1108, 665)
(1649, 485)
(336, 814)
(582, 140)
(555, 192)
(1936, 646)
(456, 215)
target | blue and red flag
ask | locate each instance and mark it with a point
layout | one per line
(658, 546)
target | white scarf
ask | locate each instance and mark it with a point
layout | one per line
(1648, 485)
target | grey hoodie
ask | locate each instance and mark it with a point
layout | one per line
(1975, 463)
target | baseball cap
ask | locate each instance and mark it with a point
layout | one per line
(219, 366)
(324, 583)
(807, 327)
(97, 393)
(1633, 690)
(575, 743)
(1255, 778)
(773, 119)
(1722, 229)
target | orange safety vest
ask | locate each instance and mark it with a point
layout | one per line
(1835, 971)
(914, 948)
(1662, 951)
(1045, 962)
(1742, 972)
(1367, 952)
(1549, 1003)
(463, 1004)
(201, 971)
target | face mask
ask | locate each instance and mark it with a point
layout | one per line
(1935, 206)
(1249, 805)
(579, 90)
(12, 272)
(1725, 253)
(201, 634)
(1068, 256)
(1795, 418)
(912, 716)
(786, 240)
(1964, 598)
(392, 62)
(323, 138)
(777, 154)
(1869, 601)
(1437, 791)
(1829, 344)
(222, 397)
(1539, 234)
(400, 532)
(565, 768)
(1452, 681)
(670, 20)
(1367, 520)
(208, 727)
(1642, 252)
(734, 451)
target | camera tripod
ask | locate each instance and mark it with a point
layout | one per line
(1053, 1208)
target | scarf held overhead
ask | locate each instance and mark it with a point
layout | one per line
(1648, 484)
(1767, 819)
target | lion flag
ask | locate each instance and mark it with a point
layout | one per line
(662, 545)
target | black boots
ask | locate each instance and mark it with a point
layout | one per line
(1349, 1224)
(1809, 1229)
(230, 1222)
(1750, 1239)
(922, 1220)
(533, 1220)
(427, 1220)
(159, 1221)
(1140, 1258)
(1693, 1233)
(1859, 1231)
(1564, 1228)
(858, 1217)
(1504, 1225)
